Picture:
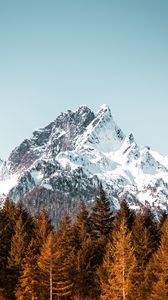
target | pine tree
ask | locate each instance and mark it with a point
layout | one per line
(101, 217)
(157, 272)
(28, 285)
(43, 227)
(6, 232)
(151, 225)
(46, 264)
(54, 262)
(101, 225)
(105, 272)
(80, 229)
(9, 209)
(118, 264)
(63, 282)
(125, 213)
(142, 244)
(19, 244)
(162, 219)
(82, 266)
(27, 219)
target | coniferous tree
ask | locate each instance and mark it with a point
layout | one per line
(128, 254)
(101, 217)
(116, 272)
(6, 232)
(43, 227)
(28, 281)
(162, 219)
(46, 265)
(19, 244)
(82, 268)
(125, 213)
(81, 226)
(54, 262)
(8, 210)
(151, 225)
(28, 285)
(157, 271)
(65, 238)
(105, 272)
(142, 244)
(101, 225)
(21, 211)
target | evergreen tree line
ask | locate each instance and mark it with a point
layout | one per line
(100, 254)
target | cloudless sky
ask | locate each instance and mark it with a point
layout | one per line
(58, 54)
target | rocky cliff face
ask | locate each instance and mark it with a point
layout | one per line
(47, 142)
(73, 154)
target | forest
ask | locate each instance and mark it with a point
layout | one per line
(97, 254)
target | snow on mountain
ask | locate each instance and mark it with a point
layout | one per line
(102, 133)
(76, 152)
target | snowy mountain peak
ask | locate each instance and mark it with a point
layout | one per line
(104, 109)
(102, 133)
(77, 151)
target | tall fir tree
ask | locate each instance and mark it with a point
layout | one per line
(162, 219)
(43, 227)
(46, 264)
(143, 251)
(7, 224)
(157, 271)
(125, 213)
(151, 224)
(116, 272)
(19, 244)
(55, 261)
(22, 212)
(28, 285)
(101, 218)
(82, 266)
(80, 227)
(65, 238)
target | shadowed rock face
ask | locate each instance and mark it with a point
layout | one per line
(59, 135)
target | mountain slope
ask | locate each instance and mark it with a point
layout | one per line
(80, 149)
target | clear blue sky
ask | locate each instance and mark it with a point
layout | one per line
(56, 55)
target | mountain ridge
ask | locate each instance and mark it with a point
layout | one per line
(80, 150)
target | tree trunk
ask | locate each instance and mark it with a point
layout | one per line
(51, 281)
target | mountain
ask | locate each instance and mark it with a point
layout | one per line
(69, 158)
